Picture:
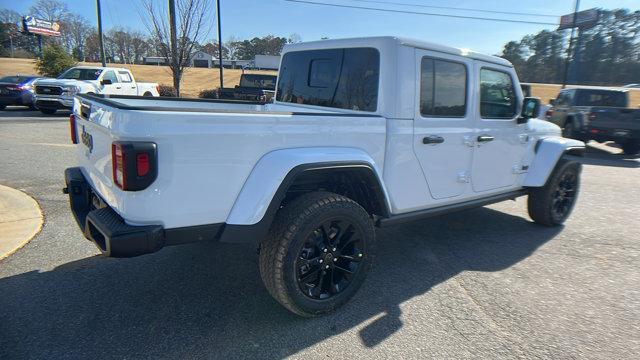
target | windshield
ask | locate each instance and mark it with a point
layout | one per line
(81, 74)
(601, 98)
(267, 82)
(16, 79)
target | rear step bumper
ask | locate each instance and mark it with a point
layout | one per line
(105, 228)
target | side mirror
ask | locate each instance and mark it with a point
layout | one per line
(530, 109)
(552, 102)
(106, 82)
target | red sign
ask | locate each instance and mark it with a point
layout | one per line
(584, 19)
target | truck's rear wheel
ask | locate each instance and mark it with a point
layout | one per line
(631, 147)
(317, 253)
(551, 204)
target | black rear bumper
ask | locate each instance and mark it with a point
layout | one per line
(112, 235)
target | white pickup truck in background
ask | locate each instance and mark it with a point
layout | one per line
(54, 94)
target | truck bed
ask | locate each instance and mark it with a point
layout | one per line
(203, 146)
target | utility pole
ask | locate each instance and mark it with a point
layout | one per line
(220, 44)
(103, 56)
(569, 52)
(174, 44)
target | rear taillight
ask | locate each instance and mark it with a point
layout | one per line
(548, 114)
(73, 129)
(134, 163)
(119, 168)
(592, 116)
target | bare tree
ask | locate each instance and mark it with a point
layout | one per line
(52, 10)
(75, 30)
(192, 19)
(232, 44)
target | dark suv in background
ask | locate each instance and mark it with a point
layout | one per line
(597, 114)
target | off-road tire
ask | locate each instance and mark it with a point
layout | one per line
(48, 111)
(541, 200)
(292, 226)
(569, 131)
(631, 147)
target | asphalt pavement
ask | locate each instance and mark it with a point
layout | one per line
(484, 283)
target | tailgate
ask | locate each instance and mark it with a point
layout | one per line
(615, 118)
(95, 125)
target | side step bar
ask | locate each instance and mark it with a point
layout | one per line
(446, 209)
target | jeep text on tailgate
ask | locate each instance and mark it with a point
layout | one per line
(363, 133)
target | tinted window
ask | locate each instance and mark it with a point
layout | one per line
(497, 95)
(601, 98)
(443, 88)
(339, 78)
(110, 75)
(258, 81)
(81, 74)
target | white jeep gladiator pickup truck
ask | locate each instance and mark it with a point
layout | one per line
(54, 94)
(363, 133)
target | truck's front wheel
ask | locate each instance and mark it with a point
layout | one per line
(317, 253)
(551, 204)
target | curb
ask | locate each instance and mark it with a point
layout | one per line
(20, 220)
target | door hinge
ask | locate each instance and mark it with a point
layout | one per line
(463, 177)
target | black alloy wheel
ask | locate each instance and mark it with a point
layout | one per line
(329, 259)
(564, 196)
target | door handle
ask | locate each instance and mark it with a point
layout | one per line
(433, 139)
(485, 138)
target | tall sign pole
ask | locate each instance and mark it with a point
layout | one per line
(220, 44)
(174, 40)
(569, 50)
(103, 56)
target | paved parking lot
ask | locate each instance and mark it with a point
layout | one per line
(485, 283)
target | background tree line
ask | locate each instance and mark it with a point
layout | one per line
(610, 52)
(80, 38)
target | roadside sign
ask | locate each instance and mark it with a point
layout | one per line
(41, 27)
(584, 19)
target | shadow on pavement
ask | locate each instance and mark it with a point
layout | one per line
(24, 112)
(600, 157)
(207, 300)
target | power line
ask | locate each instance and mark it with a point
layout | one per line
(455, 8)
(422, 13)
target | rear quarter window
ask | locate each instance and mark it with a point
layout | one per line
(338, 78)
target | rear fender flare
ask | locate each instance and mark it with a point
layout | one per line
(255, 207)
(548, 152)
(273, 168)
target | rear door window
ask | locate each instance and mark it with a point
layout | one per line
(338, 78)
(110, 75)
(601, 98)
(443, 88)
(125, 77)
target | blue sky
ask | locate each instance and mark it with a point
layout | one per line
(249, 18)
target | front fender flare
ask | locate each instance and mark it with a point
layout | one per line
(548, 152)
